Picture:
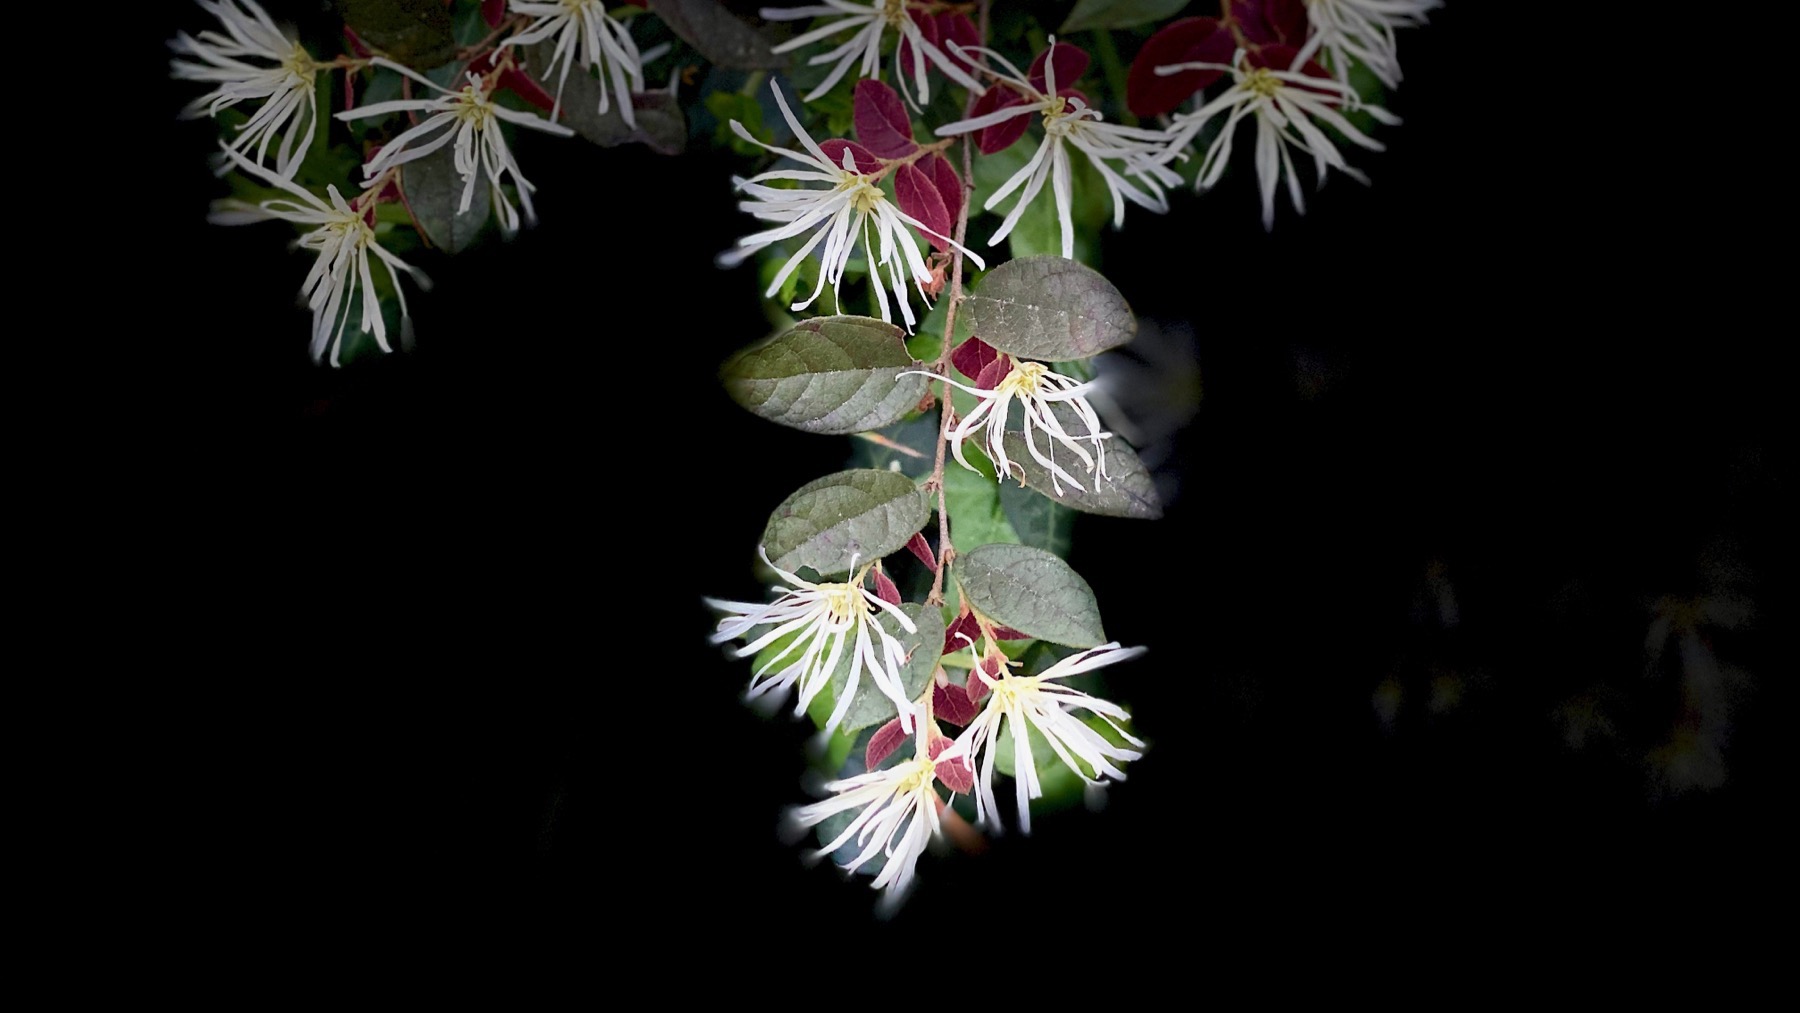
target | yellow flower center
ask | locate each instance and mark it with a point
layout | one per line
(473, 107)
(1262, 81)
(864, 195)
(894, 12)
(919, 772)
(843, 601)
(1025, 380)
(300, 64)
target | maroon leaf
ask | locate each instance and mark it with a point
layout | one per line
(1190, 40)
(970, 358)
(975, 689)
(881, 121)
(956, 774)
(493, 12)
(965, 624)
(866, 162)
(1071, 63)
(1008, 633)
(885, 589)
(949, 184)
(957, 28)
(952, 704)
(921, 548)
(918, 197)
(903, 56)
(1288, 19)
(1001, 135)
(1281, 57)
(992, 373)
(882, 744)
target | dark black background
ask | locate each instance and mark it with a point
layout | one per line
(473, 573)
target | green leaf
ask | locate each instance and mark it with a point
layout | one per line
(1092, 14)
(871, 706)
(1032, 591)
(434, 190)
(1038, 521)
(661, 125)
(828, 375)
(1126, 491)
(973, 498)
(1039, 231)
(719, 35)
(414, 32)
(726, 106)
(861, 515)
(1048, 308)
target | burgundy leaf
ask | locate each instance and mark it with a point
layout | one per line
(1281, 57)
(881, 121)
(949, 184)
(956, 774)
(882, 744)
(992, 373)
(921, 548)
(1288, 20)
(957, 28)
(970, 358)
(965, 624)
(975, 689)
(1071, 63)
(1077, 93)
(885, 589)
(526, 87)
(903, 56)
(866, 162)
(493, 12)
(1008, 633)
(919, 197)
(1001, 135)
(1252, 21)
(952, 704)
(1190, 40)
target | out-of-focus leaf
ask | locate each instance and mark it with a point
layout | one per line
(661, 125)
(1070, 62)
(417, 33)
(1032, 591)
(1103, 14)
(1190, 40)
(828, 375)
(433, 191)
(1050, 309)
(1004, 134)
(1039, 521)
(976, 517)
(861, 515)
(718, 34)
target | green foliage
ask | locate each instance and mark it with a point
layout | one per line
(976, 514)
(1032, 591)
(828, 375)
(853, 515)
(1037, 521)
(661, 125)
(717, 34)
(871, 706)
(1102, 14)
(1049, 308)
(728, 106)
(1127, 491)
(417, 33)
(1038, 232)
(434, 190)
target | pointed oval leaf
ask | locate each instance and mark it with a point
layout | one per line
(1070, 63)
(881, 121)
(1190, 40)
(417, 33)
(949, 184)
(1031, 591)
(1101, 14)
(871, 706)
(862, 159)
(1002, 135)
(955, 774)
(719, 35)
(903, 54)
(885, 588)
(1050, 309)
(951, 703)
(831, 375)
(433, 190)
(954, 27)
(857, 515)
(919, 197)
(1126, 491)
(972, 357)
(493, 12)
(882, 744)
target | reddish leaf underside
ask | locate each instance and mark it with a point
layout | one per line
(957, 28)
(1190, 40)
(970, 358)
(948, 183)
(952, 704)
(919, 197)
(885, 589)
(956, 774)
(1267, 22)
(882, 744)
(866, 162)
(1001, 135)
(493, 11)
(922, 549)
(1071, 63)
(880, 120)
(990, 377)
(903, 56)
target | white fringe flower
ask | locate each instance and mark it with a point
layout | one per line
(1283, 104)
(852, 206)
(870, 20)
(1037, 701)
(253, 60)
(471, 119)
(1038, 391)
(898, 818)
(1069, 122)
(585, 37)
(345, 244)
(1363, 31)
(827, 619)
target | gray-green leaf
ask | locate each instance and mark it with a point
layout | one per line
(871, 706)
(719, 35)
(415, 32)
(1049, 308)
(1117, 13)
(1038, 521)
(434, 190)
(1126, 491)
(661, 125)
(1032, 591)
(853, 515)
(828, 375)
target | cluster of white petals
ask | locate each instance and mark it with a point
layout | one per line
(1023, 703)
(1283, 104)
(469, 118)
(871, 21)
(1069, 123)
(1362, 31)
(253, 60)
(585, 37)
(346, 246)
(898, 817)
(1038, 392)
(825, 620)
(852, 205)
